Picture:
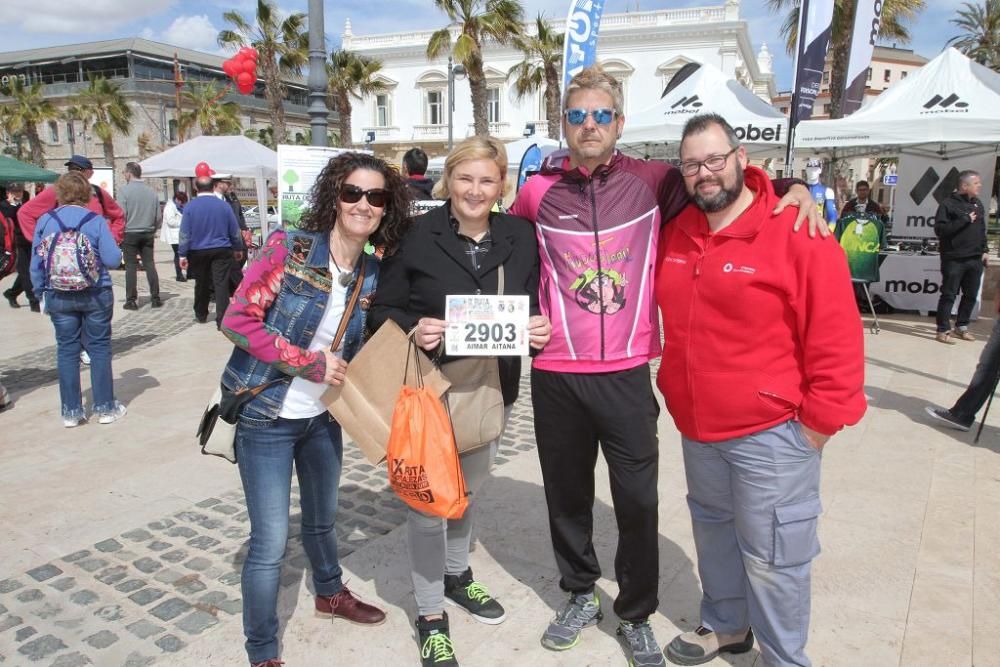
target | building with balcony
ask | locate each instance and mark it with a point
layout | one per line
(642, 49)
(145, 71)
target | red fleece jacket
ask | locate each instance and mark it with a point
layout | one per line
(45, 201)
(760, 324)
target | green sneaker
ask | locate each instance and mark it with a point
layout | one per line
(639, 644)
(582, 611)
(436, 649)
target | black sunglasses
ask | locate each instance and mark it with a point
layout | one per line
(352, 194)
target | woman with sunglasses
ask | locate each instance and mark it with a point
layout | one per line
(459, 248)
(307, 288)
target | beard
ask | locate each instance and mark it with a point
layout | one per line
(723, 198)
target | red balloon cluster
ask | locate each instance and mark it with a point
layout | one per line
(242, 69)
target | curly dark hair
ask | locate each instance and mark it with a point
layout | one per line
(322, 214)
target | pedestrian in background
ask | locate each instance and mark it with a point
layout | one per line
(210, 241)
(170, 231)
(85, 312)
(142, 214)
(414, 168)
(10, 204)
(960, 225)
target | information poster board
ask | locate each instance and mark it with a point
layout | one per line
(104, 178)
(298, 168)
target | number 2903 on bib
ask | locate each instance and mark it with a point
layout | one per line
(486, 325)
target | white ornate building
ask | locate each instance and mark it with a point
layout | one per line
(642, 49)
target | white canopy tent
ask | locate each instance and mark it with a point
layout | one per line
(236, 155)
(515, 151)
(950, 108)
(656, 132)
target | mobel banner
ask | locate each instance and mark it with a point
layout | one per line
(924, 183)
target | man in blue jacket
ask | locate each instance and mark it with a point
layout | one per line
(210, 241)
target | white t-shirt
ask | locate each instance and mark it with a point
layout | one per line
(302, 400)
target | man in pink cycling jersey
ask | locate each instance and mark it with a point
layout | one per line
(598, 215)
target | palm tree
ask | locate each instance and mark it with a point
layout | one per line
(106, 111)
(980, 37)
(282, 49)
(896, 15)
(541, 68)
(350, 75)
(206, 111)
(23, 114)
(477, 21)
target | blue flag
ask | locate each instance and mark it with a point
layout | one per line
(531, 162)
(580, 46)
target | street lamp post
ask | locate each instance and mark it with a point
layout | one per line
(453, 71)
(318, 111)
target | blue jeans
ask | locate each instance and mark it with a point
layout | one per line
(85, 314)
(755, 504)
(265, 451)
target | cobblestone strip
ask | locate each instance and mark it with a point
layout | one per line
(138, 597)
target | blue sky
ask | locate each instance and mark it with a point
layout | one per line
(194, 23)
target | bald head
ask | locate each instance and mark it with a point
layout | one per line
(204, 185)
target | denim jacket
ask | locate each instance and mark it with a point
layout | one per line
(274, 315)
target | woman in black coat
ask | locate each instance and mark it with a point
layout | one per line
(458, 249)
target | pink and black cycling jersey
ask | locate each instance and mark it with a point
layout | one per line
(597, 237)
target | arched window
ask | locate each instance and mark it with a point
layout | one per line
(622, 72)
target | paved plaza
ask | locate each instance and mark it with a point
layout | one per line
(124, 544)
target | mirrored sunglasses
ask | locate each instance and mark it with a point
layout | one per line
(579, 116)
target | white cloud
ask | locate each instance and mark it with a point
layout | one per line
(79, 16)
(192, 32)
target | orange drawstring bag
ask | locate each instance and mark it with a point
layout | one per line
(421, 455)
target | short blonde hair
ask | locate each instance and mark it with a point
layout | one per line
(73, 188)
(473, 148)
(595, 78)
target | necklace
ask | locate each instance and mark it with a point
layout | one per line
(345, 276)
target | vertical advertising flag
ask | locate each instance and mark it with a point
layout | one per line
(580, 45)
(815, 26)
(867, 20)
(531, 163)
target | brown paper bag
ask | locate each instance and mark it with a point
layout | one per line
(363, 405)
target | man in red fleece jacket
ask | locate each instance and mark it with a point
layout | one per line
(763, 361)
(101, 203)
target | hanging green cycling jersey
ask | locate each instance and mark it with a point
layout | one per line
(862, 237)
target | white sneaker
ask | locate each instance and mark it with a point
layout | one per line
(84, 358)
(114, 415)
(70, 422)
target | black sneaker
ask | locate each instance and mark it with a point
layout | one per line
(639, 644)
(466, 593)
(11, 299)
(948, 417)
(130, 305)
(155, 302)
(35, 307)
(436, 649)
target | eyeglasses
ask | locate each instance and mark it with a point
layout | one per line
(714, 163)
(579, 116)
(352, 194)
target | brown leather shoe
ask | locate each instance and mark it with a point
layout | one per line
(345, 605)
(964, 334)
(273, 662)
(944, 337)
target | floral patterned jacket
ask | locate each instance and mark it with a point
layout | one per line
(274, 315)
